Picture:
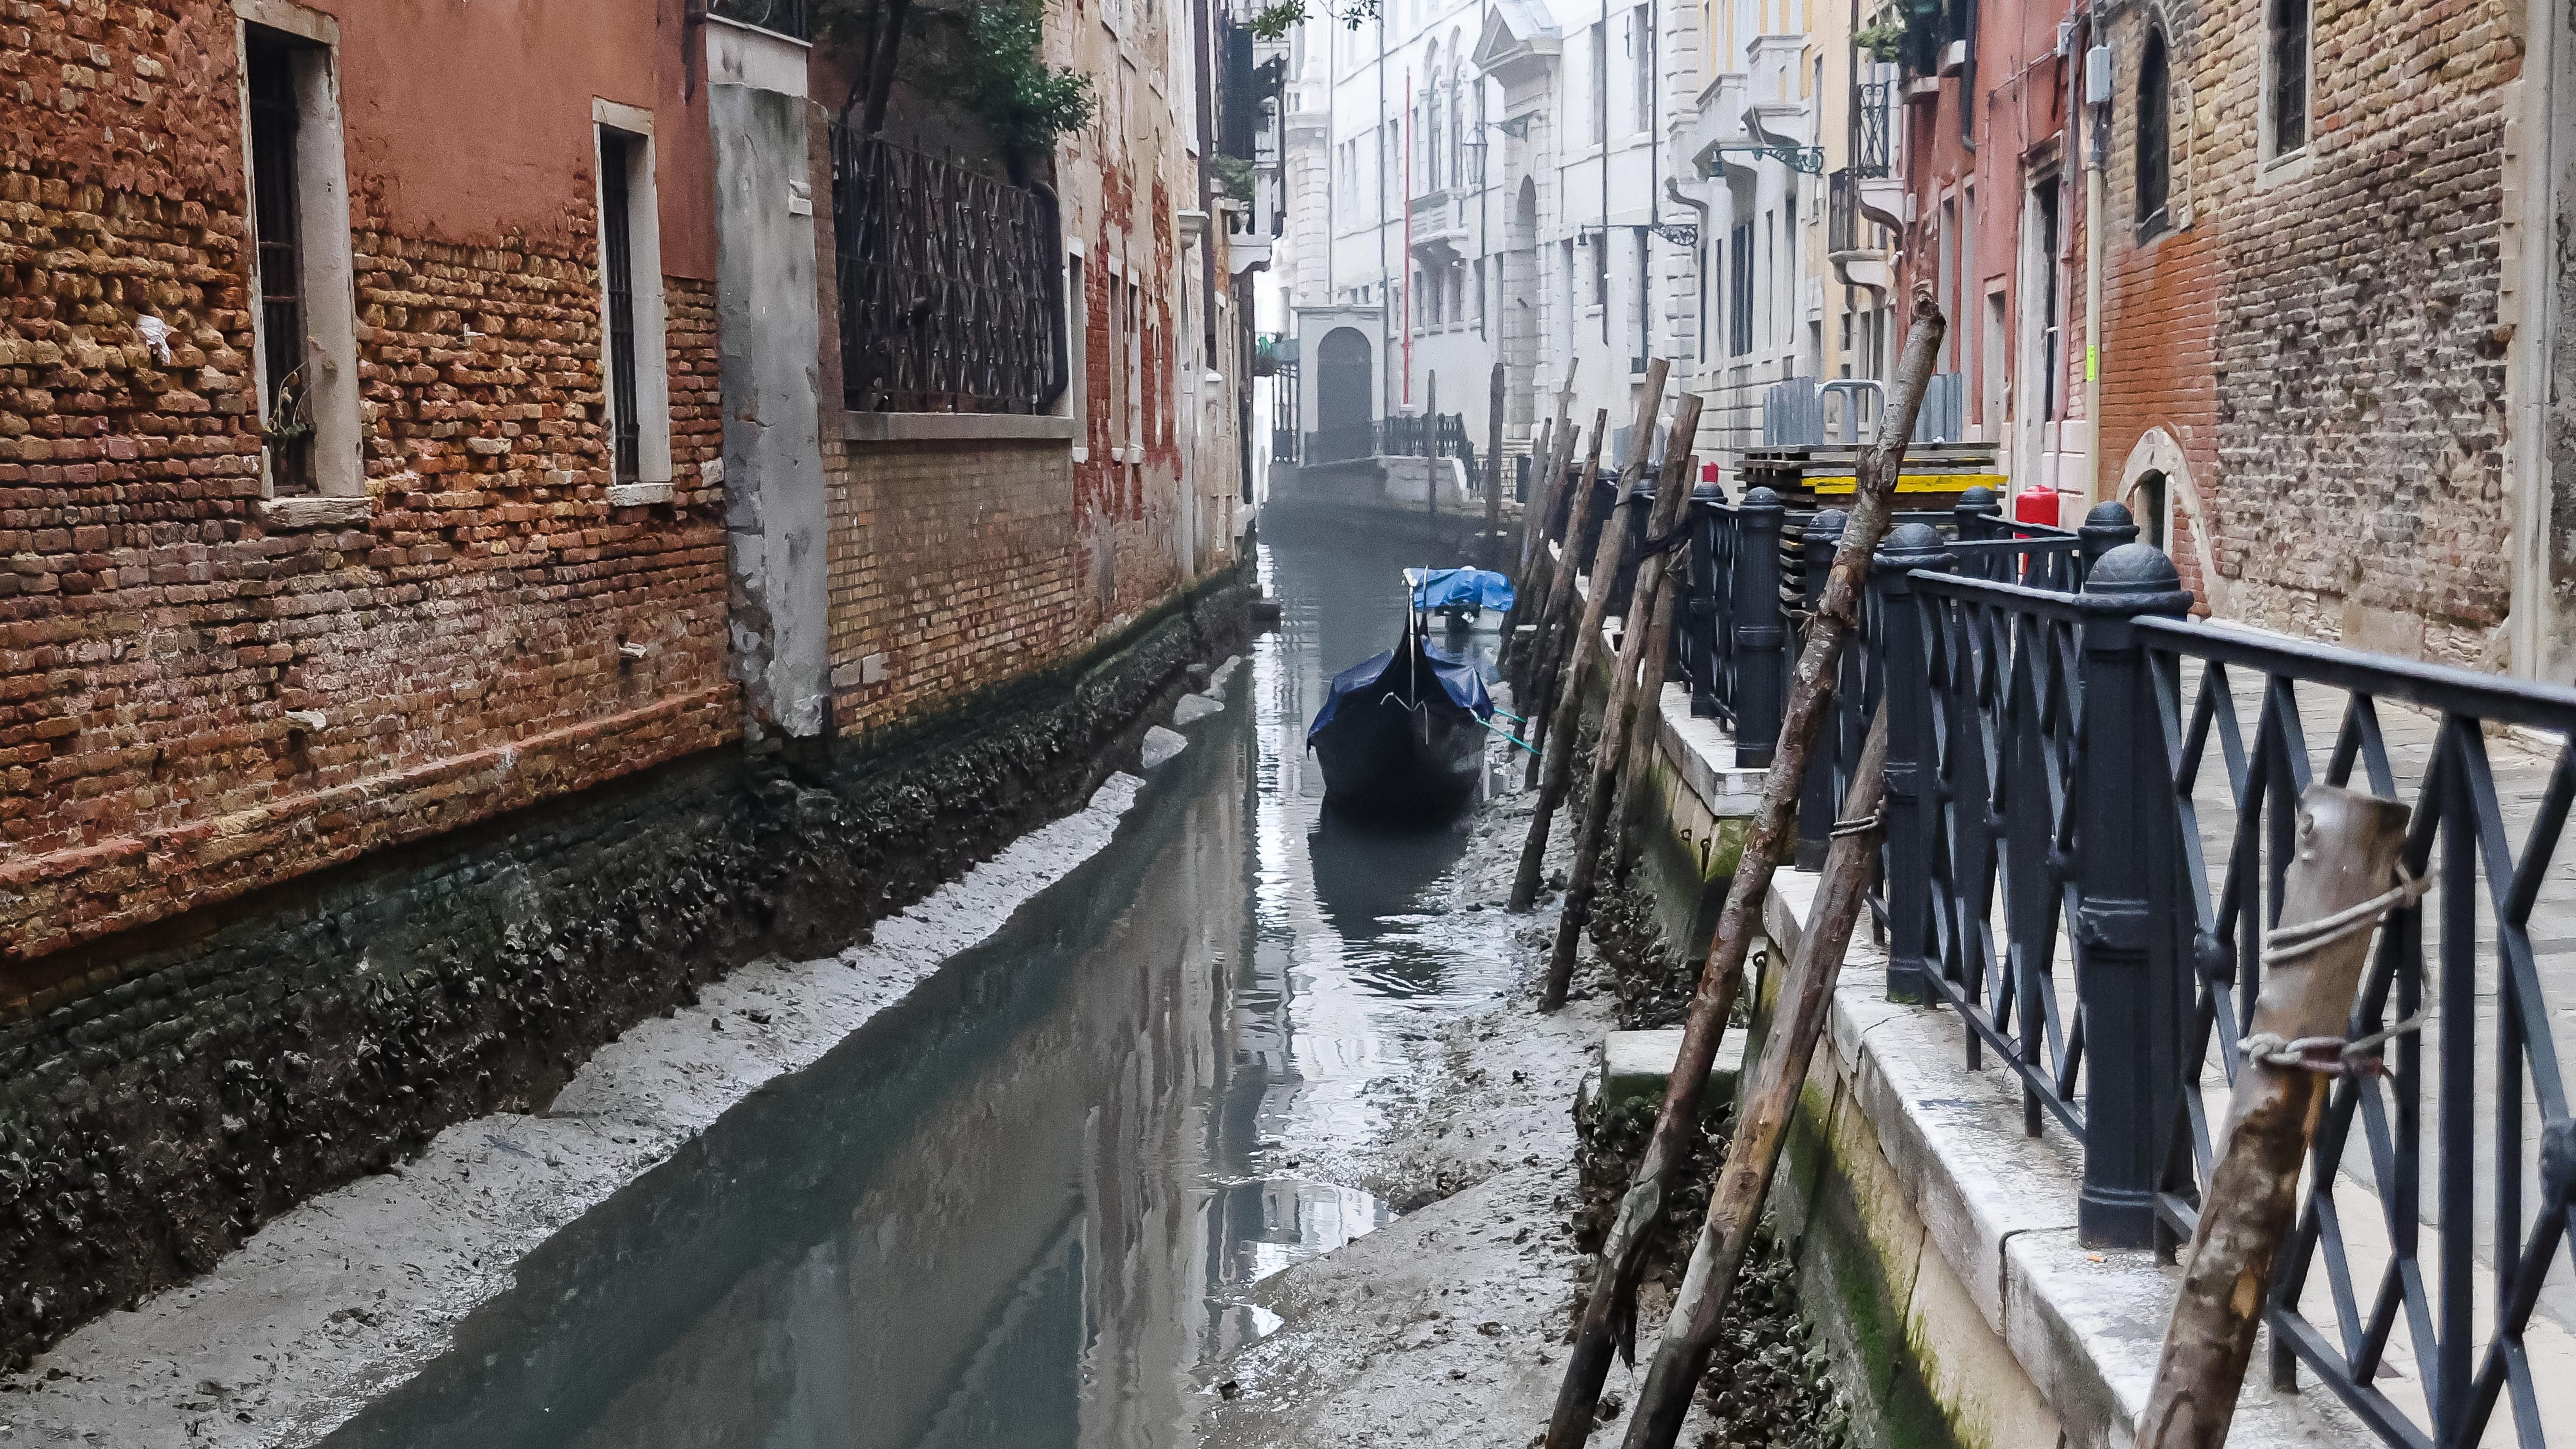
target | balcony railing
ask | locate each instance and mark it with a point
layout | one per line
(1873, 134)
(950, 285)
(785, 17)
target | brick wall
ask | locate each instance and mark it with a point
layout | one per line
(461, 646)
(2359, 369)
(2159, 301)
(954, 567)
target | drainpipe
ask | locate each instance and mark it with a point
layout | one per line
(2097, 98)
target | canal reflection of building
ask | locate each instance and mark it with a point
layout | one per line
(985, 1220)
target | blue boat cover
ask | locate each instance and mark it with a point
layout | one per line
(1440, 588)
(1458, 679)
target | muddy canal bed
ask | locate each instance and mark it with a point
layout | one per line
(1029, 1191)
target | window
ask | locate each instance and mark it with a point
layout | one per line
(2286, 78)
(1739, 290)
(281, 254)
(1457, 134)
(617, 294)
(1600, 108)
(307, 350)
(635, 364)
(2155, 136)
(1641, 59)
(1601, 269)
(2044, 201)
(1645, 293)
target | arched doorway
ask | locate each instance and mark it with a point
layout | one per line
(1342, 381)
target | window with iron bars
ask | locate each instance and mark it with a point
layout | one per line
(1739, 290)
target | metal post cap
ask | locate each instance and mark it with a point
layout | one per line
(1827, 523)
(1761, 497)
(1913, 540)
(2133, 568)
(2110, 514)
(1978, 499)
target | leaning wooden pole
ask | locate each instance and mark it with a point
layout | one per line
(1564, 705)
(1547, 572)
(1762, 1123)
(1555, 620)
(1547, 487)
(1771, 834)
(2341, 880)
(1492, 552)
(1649, 609)
(1628, 816)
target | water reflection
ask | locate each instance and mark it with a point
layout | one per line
(1023, 1207)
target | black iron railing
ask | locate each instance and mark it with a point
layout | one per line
(2086, 840)
(1417, 436)
(1873, 130)
(786, 17)
(950, 284)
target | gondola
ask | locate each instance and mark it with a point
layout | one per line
(1402, 733)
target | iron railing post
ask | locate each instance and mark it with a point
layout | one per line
(2105, 528)
(1910, 811)
(1761, 675)
(1699, 642)
(1816, 794)
(2127, 995)
(1973, 519)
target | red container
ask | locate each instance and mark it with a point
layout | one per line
(2035, 505)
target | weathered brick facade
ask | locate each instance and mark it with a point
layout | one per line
(2361, 488)
(2159, 303)
(952, 571)
(196, 701)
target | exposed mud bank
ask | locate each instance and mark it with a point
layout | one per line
(1451, 1324)
(234, 1064)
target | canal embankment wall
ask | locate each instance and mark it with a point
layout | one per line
(239, 1060)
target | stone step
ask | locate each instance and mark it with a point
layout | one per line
(1637, 1065)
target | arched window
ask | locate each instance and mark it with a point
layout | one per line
(2155, 135)
(1431, 99)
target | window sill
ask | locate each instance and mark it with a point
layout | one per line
(637, 495)
(2282, 170)
(953, 427)
(316, 512)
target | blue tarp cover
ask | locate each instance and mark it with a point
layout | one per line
(1440, 588)
(1458, 679)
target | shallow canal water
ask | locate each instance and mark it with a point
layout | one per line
(1024, 1207)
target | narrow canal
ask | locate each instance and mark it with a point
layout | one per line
(1024, 1207)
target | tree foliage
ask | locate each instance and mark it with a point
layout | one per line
(986, 57)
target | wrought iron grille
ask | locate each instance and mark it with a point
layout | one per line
(787, 17)
(1842, 215)
(1873, 138)
(950, 284)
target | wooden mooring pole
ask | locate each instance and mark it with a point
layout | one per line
(1556, 621)
(1492, 553)
(1566, 707)
(1548, 574)
(2342, 878)
(1721, 978)
(1649, 610)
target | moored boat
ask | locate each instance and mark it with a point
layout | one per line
(1402, 733)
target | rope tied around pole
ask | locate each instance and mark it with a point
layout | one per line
(2334, 1056)
(2284, 944)
(1860, 826)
